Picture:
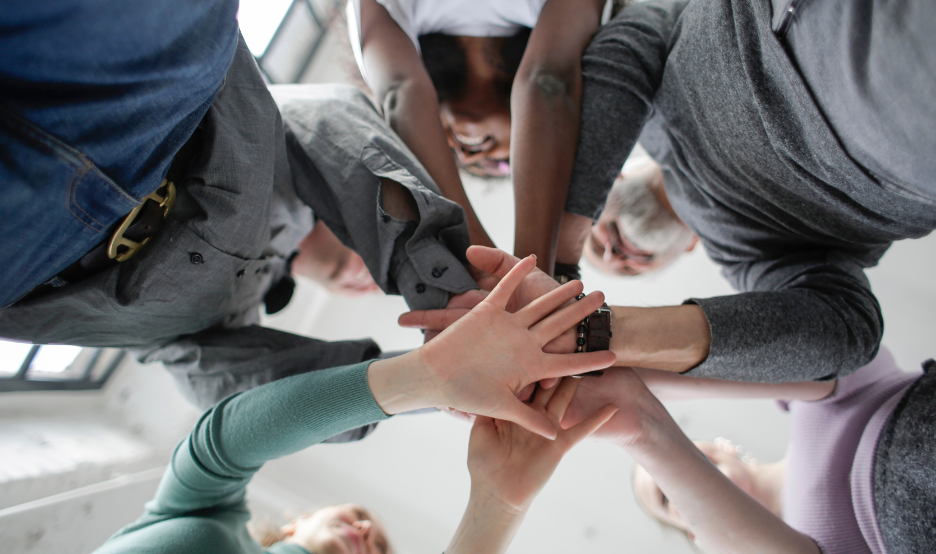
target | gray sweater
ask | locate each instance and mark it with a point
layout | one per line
(797, 148)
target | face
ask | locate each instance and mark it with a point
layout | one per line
(637, 231)
(658, 505)
(345, 529)
(478, 130)
(477, 122)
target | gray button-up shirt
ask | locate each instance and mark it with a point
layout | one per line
(191, 298)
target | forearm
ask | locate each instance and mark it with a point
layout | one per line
(215, 462)
(488, 525)
(670, 338)
(724, 518)
(667, 386)
(544, 136)
(412, 111)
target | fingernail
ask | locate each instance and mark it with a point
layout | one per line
(533, 255)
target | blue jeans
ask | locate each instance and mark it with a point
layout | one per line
(95, 100)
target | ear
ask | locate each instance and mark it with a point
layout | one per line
(692, 243)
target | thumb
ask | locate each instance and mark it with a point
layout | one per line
(591, 424)
(494, 261)
(436, 320)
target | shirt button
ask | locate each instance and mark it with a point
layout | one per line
(196, 258)
(438, 271)
(420, 288)
(385, 218)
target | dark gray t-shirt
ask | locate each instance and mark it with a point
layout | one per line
(766, 168)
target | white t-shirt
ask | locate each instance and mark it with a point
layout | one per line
(467, 18)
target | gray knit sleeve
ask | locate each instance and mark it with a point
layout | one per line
(808, 315)
(621, 71)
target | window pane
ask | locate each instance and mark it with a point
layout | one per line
(53, 359)
(12, 355)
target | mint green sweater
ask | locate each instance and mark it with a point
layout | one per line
(200, 505)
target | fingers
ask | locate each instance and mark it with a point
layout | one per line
(527, 417)
(436, 320)
(591, 424)
(494, 261)
(549, 302)
(560, 401)
(501, 293)
(566, 318)
(547, 383)
(561, 365)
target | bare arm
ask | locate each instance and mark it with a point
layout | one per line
(545, 104)
(724, 518)
(410, 104)
(666, 385)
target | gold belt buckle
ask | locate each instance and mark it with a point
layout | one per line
(118, 239)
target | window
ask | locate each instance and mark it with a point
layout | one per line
(30, 367)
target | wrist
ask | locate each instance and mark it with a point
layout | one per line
(401, 384)
(488, 525)
(671, 338)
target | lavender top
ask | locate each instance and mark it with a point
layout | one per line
(827, 493)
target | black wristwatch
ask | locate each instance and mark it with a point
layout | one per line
(594, 333)
(563, 273)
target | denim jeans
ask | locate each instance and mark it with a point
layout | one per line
(95, 100)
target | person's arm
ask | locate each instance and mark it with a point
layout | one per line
(723, 518)
(545, 102)
(814, 317)
(213, 364)
(409, 102)
(621, 71)
(373, 194)
(809, 315)
(667, 385)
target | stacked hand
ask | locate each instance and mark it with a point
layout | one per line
(480, 362)
(510, 465)
(490, 266)
(622, 386)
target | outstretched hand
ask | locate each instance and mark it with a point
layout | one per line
(489, 267)
(482, 361)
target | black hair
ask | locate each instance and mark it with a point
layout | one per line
(445, 62)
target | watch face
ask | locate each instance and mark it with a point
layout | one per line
(599, 330)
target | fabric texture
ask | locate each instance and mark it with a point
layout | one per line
(243, 207)
(200, 504)
(828, 448)
(89, 127)
(904, 486)
(755, 164)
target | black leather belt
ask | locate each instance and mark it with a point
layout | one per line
(134, 231)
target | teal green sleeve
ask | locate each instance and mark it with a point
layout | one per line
(287, 548)
(212, 466)
(199, 506)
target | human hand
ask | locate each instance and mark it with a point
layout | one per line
(638, 409)
(490, 266)
(512, 464)
(482, 361)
